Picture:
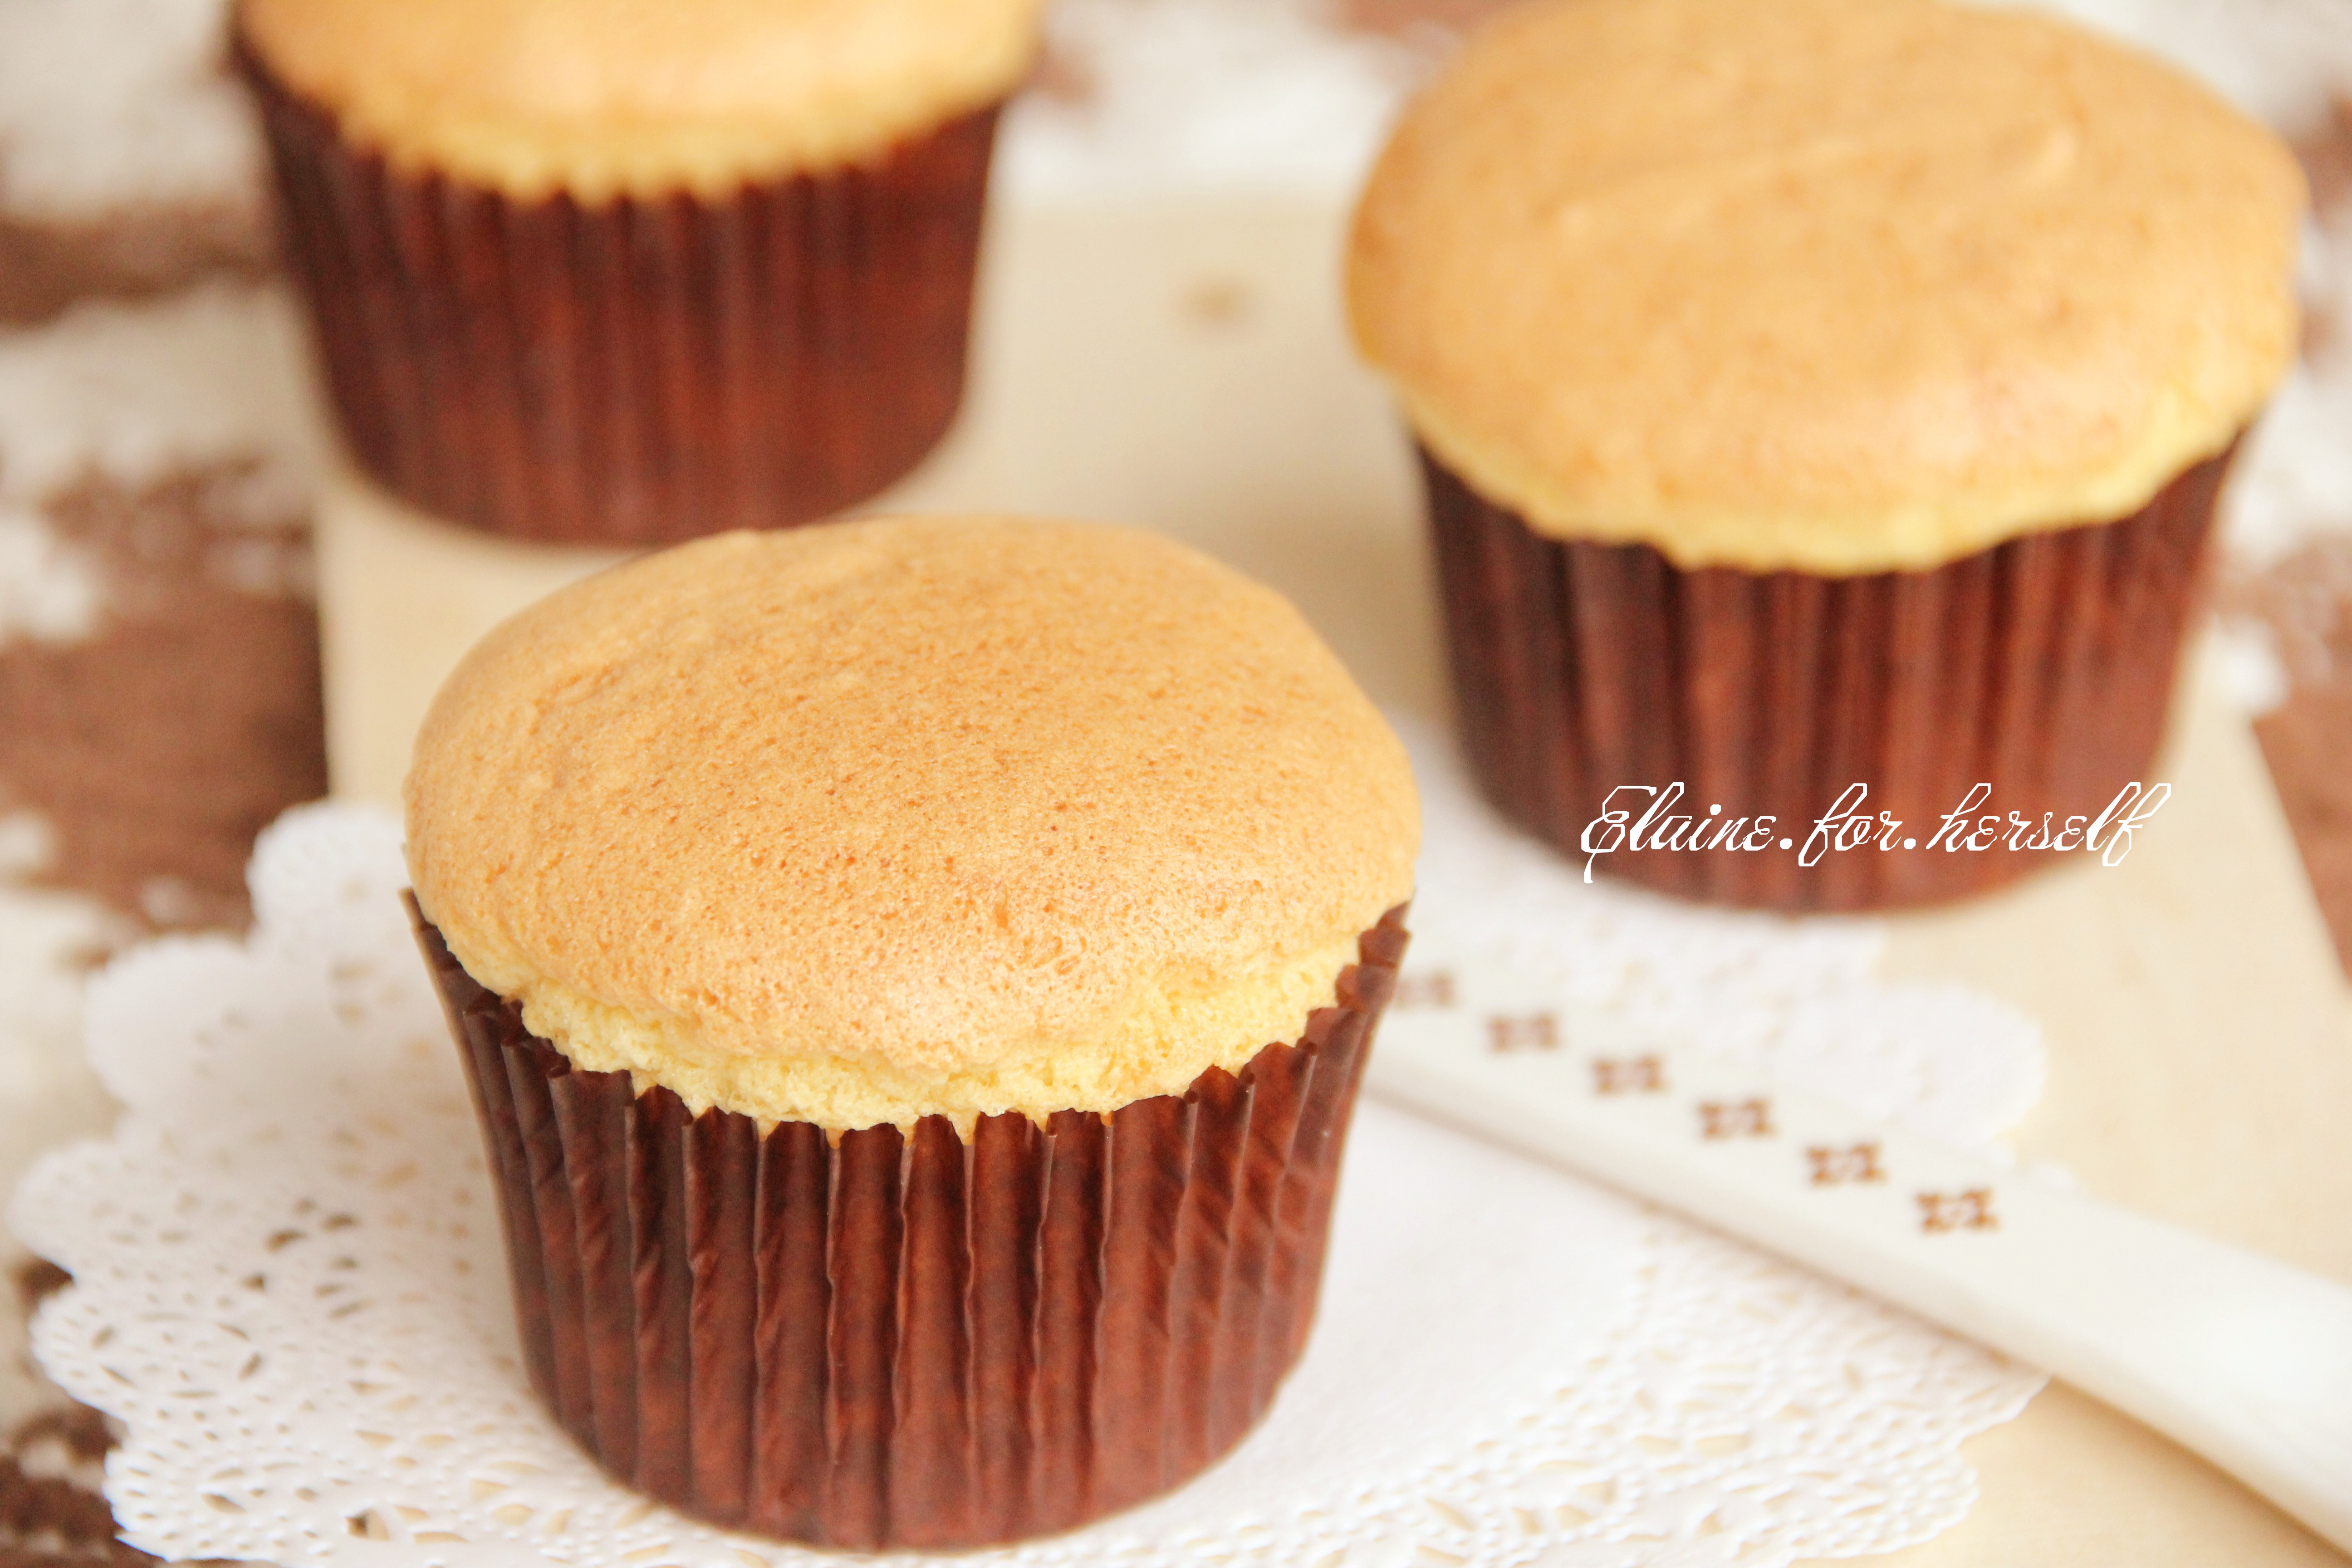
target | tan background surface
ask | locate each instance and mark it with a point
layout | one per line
(1186, 367)
(1183, 366)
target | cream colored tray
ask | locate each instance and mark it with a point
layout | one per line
(1184, 366)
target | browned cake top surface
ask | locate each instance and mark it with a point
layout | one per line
(1835, 285)
(859, 822)
(640, 96)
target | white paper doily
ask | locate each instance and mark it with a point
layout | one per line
(290, 1291)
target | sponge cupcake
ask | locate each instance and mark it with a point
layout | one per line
(622, 271)
(914, 975)
(1815, 393)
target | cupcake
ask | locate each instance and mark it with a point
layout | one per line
(629, 271)
(1812, 395)
(914, 977)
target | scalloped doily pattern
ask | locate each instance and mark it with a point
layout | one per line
(289, 1286)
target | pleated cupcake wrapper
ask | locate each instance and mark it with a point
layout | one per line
(882, 1340)
(2042, 666)
(636, 372)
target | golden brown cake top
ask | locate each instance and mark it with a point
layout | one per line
(1833, 285)
(857, 823)
(640, 96)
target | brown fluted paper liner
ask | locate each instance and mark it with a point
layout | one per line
(2042, 666)
(638, 371)
(913, 1340)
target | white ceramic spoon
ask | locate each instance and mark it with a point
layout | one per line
(2243, 1360)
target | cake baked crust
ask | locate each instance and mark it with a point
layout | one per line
(1835, 285)
(861, 823)
(640, 98)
